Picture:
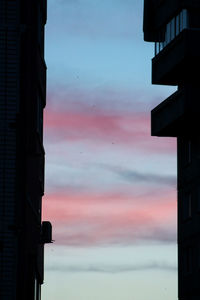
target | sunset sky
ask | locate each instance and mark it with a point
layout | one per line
(110, 187)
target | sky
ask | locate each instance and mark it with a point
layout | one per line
(110, 190)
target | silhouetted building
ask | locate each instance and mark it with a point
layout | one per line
(174, 26)
(22, 99)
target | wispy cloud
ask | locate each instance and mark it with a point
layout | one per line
(97, 127)
(114, 269)
(135, 176)
(92, 215)
(89, 219)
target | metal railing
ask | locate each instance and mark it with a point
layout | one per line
(172, 29)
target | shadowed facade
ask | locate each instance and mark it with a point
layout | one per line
(22, 100)
(174, 27)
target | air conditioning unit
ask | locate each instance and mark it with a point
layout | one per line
(46, 232)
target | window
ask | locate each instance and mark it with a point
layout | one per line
(187, 206)
(40, 117)
(187, 152)
(40, 30)
(177, 26)
(185, 149)
(172, 29)
(187, 263)
(198, 254)
(183, 19)
(1, 246)
(168, 33)
(198, 198)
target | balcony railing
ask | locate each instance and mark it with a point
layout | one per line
(172, 29)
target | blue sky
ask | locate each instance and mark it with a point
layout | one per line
(110, 186)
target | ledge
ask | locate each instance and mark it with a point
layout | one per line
(177, 115)
(179, 60)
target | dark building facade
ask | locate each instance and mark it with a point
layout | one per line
(22, 100)
(174, 27)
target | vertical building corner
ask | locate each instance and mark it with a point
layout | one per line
(174, 27)
(22, 100)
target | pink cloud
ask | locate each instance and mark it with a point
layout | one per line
(97, 125)
(90, 219)
(98, 128)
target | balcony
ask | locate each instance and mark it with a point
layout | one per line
(179, 60)
(178, 115)
(157, 14)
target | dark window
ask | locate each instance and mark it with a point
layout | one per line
(183, 19)
(40, 117)
(1, 246)
(40, 30)
(187, 206)
(172, 28)
(187, 260)
(177, 24)
(198, 198)
(187, 151)
(198, 255)
(167, 35)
